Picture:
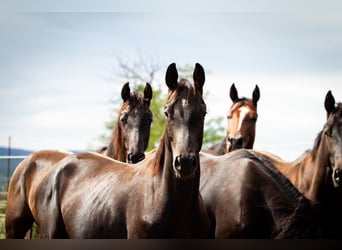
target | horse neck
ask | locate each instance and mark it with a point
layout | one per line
(181, 196)
(116, 148)
(312, 172)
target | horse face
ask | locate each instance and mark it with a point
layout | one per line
(333, 133)
(242, 118)
(135, 121)
(184, 112)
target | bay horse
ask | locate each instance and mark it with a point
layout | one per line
(247, 197)
(317, 173)
(22, 188)
(132, 130)
(87, 195)
(242, 117)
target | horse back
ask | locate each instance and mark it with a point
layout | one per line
(20, 209)
(85, 197)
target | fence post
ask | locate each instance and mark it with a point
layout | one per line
(8, 161)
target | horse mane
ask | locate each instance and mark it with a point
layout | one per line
(271, 170)
(316, 144)
(301, 223)
(159, 156)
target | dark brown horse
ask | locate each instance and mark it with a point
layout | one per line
(317, 173)
(132, 131)
(87, 195)
(247, 197)
(242, 117)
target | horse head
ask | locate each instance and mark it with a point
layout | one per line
(242, 117)
(134, 122)
(332, 132)
(185, 111)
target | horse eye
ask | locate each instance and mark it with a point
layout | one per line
(328, 133)
(123, 118)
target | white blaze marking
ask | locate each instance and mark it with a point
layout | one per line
(243, 112)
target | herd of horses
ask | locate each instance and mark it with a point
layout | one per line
(178, 189)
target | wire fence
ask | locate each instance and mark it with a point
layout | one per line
(7, 167)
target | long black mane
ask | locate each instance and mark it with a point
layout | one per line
(302, 222)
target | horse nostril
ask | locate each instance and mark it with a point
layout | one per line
(337, 175)
(185, 163)
(177, 163)
(236, 142)
(239, 141)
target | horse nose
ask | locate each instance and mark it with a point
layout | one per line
(185, 164)
(235, 142)
(134, 158)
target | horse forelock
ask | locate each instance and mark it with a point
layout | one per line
(133, 101)
(240, 103)
(186, 91)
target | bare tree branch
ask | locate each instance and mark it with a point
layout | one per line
(140, 70)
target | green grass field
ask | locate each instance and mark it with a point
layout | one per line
(2, 215)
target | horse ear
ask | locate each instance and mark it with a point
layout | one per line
(329, 103)
(148, 93)
(171, 76)
(125, 92)
(199, 76)
(233, 93)
(256, 95)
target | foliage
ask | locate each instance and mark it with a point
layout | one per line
(213, 131)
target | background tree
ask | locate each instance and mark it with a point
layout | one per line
(148, 69)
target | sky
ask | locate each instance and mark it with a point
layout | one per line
(55, 65)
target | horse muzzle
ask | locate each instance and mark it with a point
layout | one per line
(235, 143)
(135, 158)
(185, 166)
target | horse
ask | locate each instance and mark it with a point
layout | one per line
(128, 143)
(132, 130)
(247, 197)
(23, 185)
(242, 117)
(88, 195)
(317, 173)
